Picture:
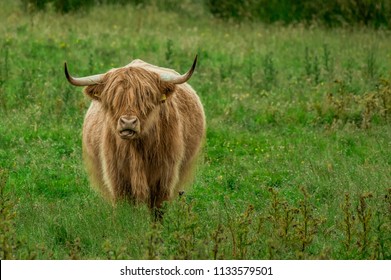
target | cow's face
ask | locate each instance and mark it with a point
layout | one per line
(131, 99)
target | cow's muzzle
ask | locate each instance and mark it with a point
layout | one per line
(128, 127)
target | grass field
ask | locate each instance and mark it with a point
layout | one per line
(297, 160)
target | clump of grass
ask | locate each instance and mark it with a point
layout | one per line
(366, 230)
(344, 106)
(250, 69)
(371, 65)
(370, 106)
(114, 253)
(154, 242)
(384, 98)
(226, 70)
(182, 224)
(11, 246)
(4, 72)
(74, 249)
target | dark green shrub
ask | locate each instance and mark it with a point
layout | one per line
(62, 6)
(241, 9)
(66, 6)
(373, 13)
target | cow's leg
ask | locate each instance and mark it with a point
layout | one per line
(163, 190)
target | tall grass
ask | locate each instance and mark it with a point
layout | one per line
(296, 162)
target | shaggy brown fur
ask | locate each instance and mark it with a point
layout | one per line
(153, 166)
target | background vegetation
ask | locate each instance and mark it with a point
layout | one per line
(374, 13)
(297, 159)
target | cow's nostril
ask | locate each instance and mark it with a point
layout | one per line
(133, 121)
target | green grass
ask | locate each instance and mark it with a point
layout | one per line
(296, 162)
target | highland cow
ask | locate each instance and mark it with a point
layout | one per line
(142, 132)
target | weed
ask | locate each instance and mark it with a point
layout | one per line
(383, 229)
(371, 67)
(311, 65)
(327, 60)
(364, 214)
(316, 70)
(231, 228)
(169, 51)
(91, 64)
(243, 231)
(274, 211)
(307, 224)
(307, 62)
(382, 238)
(282, 215)
(250, 68)
(8, 241)
(269, 71)
(348, 222)
(218, 238)
(287, 221)
(4, 68)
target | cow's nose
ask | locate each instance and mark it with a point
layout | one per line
(128, 126)
(128, 122)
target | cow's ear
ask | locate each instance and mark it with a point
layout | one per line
(166, 89)
(94, 91)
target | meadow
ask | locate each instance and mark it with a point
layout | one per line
(297, 158)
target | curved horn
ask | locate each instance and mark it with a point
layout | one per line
(182, 78)
(84, 81)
